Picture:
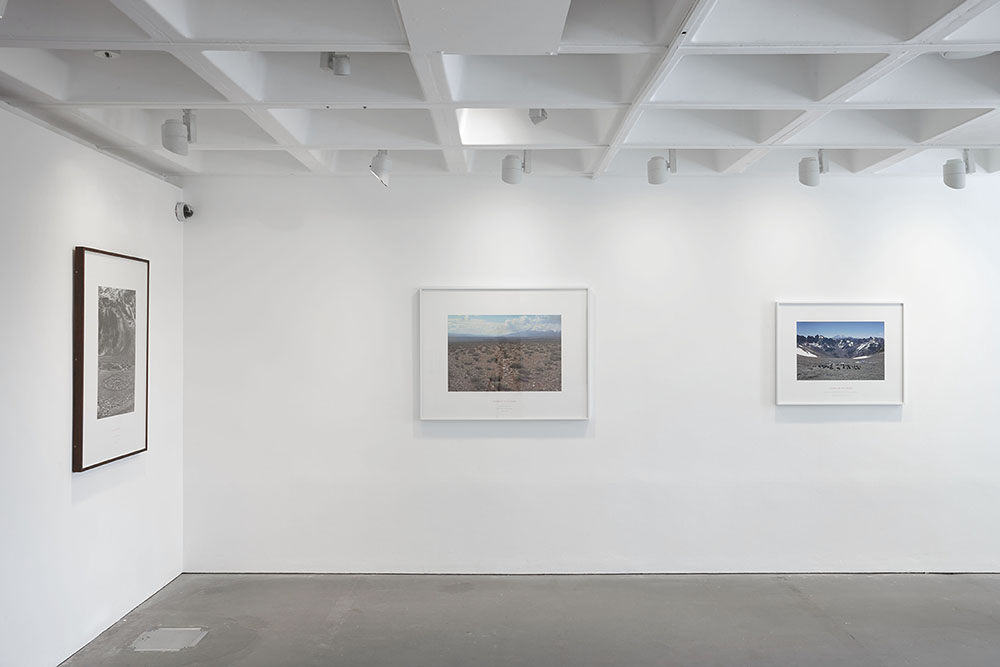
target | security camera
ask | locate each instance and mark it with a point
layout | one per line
(183, 211)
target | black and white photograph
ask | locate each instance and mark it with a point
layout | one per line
(504, 352)
(110, 356)
(837, 351)
(115, 351)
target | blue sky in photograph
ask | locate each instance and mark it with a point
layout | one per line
(843, 329)
(502, 325)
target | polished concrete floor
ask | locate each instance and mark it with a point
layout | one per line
(630, 621)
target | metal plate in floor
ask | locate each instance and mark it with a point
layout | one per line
(168, 639)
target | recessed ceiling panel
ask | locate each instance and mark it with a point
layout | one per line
(820, 21)
(933, 80)
(512, 27)
(624, 22)
(137, 78)
(564, 80)
(762, 79)
(340, 24)
(883, 127)
(45, 72)
(983, 131)
(708, 127)
(378, 128)
(983, 29)
(297, 78)
(513, 127)
(216, 128)
(69, 20)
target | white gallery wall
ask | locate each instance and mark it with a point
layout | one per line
(78, 551)
(303, 451)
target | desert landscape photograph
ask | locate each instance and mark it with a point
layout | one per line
(840, 351)
(504, 353)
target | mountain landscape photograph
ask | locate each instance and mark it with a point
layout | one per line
(115, 351)
(504, 353)
(840, 351)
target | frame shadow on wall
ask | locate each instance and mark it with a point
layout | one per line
(483, 429)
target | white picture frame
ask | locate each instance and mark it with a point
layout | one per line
(504, 354)
(839, 353)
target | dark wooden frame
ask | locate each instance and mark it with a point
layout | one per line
(79, 297)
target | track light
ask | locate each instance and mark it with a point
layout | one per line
(656, 168)
(176, 134)
(954, 170)
(338, 63)
(3, 8)
(811, 167)
(381, 166)
(537, 115)
(514, 167)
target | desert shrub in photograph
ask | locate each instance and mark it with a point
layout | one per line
(504, 353)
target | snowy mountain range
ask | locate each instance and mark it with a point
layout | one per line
(839, 347)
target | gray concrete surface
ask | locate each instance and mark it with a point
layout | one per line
(578, 621)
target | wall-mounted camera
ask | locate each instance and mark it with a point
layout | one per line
(183, 211)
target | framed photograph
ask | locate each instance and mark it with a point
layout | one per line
(110, 356)
(504, 354)
(839, 353)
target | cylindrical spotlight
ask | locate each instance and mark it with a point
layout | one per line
(174, 135)
(381, 166)
(341, 64)
(656, 170)
(512, 170)
(809, 171)
(954, 173)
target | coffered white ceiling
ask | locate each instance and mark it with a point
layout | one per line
(736, 86)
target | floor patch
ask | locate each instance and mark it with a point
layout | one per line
(168, 639)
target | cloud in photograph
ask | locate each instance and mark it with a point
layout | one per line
(503, 325)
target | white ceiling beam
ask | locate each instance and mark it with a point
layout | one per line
(202, 45)
(696, 16)
(433, 81)
(880, 70)
(142, 14)
(954, 20)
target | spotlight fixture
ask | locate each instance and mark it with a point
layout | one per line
(381, 166)
(811, 167)
(954, 170)
(107, 54)
(515, 167)
(177, 134)
(3, 8)
(338, 63)
(537, 115)
(657, 167)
